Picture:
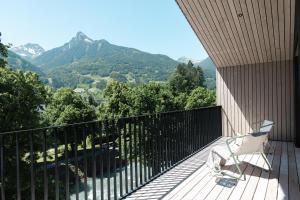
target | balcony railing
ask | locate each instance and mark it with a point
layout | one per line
(101, 159)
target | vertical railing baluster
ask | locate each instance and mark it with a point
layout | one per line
(56, 165)
(152, 145)
(130, 154)
(158, 125)
(93, 160)
(76, 163)
(180, 136)
(171, 138)
(32, 167)
(2, 167)
(167, 129)
(66, 130)
(18, 167)
(165, 124)
(194, 129)
(119, 128)
(85, 162)
(209, 124)
(198, 129)
(201, 132)
(219, 121)
(148, 146)
(135, 152)
(114, 158)
(140, 149)
(144, 148)
(125, 155)
(157, 131)
(176, 127)
(106, 126)
(45, 164)
(101, 160)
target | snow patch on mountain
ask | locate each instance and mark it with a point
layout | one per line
(29, 50)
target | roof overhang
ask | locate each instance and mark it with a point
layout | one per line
(240, 32)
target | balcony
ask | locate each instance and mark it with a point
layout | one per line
(108, 159)
(191, 179)
(159, 156)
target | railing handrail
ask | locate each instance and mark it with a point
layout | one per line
(101, 120)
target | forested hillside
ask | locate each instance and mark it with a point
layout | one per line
(86, 63)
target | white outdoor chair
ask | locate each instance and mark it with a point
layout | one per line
(240, 145)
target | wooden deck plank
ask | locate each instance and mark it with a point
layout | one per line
(239, 189)
(297, 153)
(294, 192)
(261, 189)
(228, 190)
(283, 189)
(271, 193)
(201, 194)
(253, 181)
(179, 191)
(215, 192)
(280, 183)
(191, 192)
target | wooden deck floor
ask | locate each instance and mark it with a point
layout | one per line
(192, 180)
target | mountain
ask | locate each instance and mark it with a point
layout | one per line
(17, 62)
(85, 58)
(185, 60)
(28, 51)
(208, 68)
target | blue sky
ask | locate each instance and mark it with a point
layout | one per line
(155, 26)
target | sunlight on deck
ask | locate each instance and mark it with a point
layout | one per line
(192, 179)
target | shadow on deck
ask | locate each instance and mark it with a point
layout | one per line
(191, 179)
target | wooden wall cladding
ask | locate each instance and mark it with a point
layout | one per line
(252, 93)
(238, 32)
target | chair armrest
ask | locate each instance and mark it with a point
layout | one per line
(233, 139)
(237, 134)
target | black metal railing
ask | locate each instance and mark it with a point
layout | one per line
(101, 159)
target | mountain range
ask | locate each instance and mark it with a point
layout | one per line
(29, 50)
(82, 62)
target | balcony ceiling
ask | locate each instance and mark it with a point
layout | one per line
(240, 32)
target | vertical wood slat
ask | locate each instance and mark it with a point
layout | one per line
(218, 28)
(239, 32)
(199, 32)
(252, 93)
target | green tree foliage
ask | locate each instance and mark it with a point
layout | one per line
(186, 78)
(152, 98)
(67, 107)
(118, 101)
(21, 98)
(118, 77)
(3, 53)
(200, 97)
(101, 84)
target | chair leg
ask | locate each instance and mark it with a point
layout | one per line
(241, 174)
(237, 162)
(266, 160)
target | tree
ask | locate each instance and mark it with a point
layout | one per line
(153, 98)
(22, 97)
(118, 101)
(116, 76)
(101, 84)
(67, 107)
(186, 78)
(200, 97)
(3, 53)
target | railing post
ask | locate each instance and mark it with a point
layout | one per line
(2, 167)
(32, 167)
